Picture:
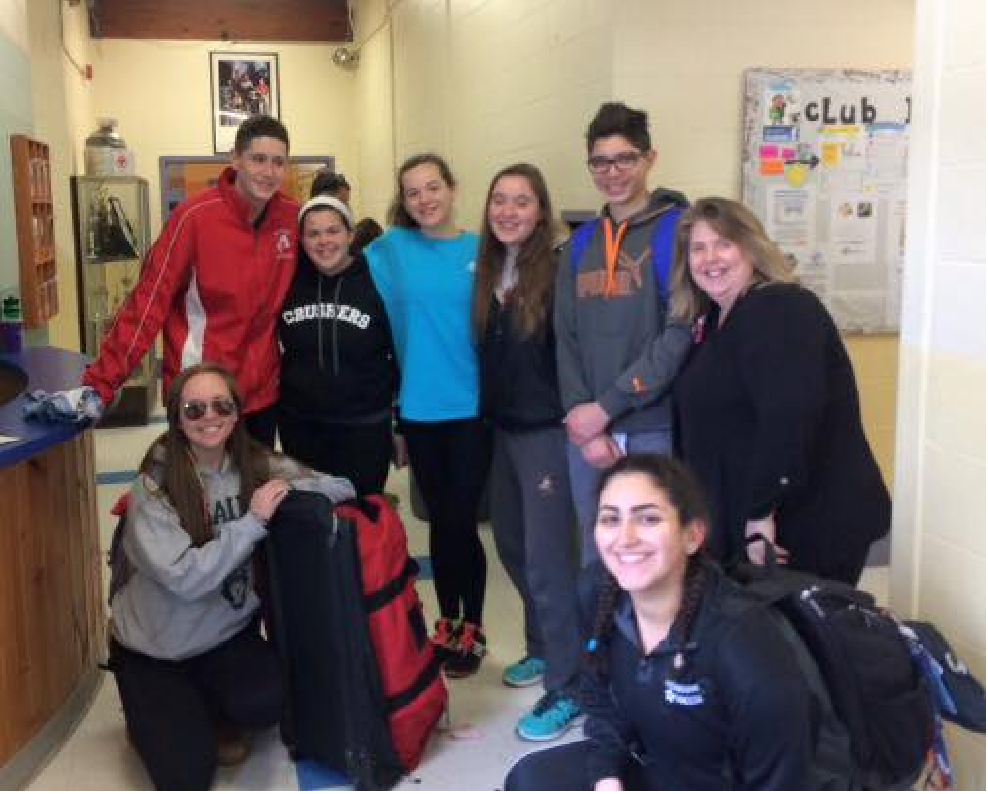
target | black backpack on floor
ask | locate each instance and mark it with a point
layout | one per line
(877, 691)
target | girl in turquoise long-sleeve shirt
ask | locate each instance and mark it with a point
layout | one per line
(424, 269)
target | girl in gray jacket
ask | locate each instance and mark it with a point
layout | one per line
(191, 666)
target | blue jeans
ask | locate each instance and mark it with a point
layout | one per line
(584, 481)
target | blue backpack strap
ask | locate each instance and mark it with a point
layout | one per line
(663, 247)
(579, 242)
(662, 243)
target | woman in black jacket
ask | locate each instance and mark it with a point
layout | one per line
(767, 403)
(531, 511)
(338, 372)
(689, 684)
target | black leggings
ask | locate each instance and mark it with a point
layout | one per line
(262, 425)
(172, 707)
(450, 461)
(359, 452)
(564, 768)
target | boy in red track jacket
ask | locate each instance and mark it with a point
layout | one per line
(215, 280)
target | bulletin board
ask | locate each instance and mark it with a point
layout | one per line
(182, 177)
(824, 166)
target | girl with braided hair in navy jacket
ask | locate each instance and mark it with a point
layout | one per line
(688, 682)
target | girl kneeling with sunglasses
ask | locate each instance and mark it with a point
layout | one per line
(190, 664)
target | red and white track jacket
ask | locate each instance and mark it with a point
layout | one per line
(215, 283)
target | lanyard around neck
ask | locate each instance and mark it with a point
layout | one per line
(612, 249)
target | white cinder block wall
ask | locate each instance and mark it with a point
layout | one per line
(683, 61)
(488, 83)
(939, 523)
(372, 114)
(526, 78)
(491, 82)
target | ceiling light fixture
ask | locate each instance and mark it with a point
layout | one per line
(345, 57)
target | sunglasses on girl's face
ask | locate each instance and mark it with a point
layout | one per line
(195, 410)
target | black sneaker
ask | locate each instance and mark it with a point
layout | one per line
(470, 649)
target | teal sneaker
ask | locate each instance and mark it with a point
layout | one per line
(549, 719)
(526, 671)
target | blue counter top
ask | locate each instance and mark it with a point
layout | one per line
(46, 368)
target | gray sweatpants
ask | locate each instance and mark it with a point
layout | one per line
(535, 532)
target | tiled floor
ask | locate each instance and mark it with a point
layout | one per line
(473, 752)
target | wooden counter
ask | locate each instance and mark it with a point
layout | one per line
(52, 616)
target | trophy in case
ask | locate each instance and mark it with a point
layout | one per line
(110, 215)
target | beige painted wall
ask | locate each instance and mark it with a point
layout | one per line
(61, 105)
(938, 554)
(13, 23)
(373, 117)
(159, 93)
(15, 118)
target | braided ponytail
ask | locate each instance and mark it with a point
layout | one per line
(689, 610)
(603, 623)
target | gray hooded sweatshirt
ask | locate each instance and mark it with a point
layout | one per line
(172, 600)
(619, 350)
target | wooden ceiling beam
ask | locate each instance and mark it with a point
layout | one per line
(221, 20)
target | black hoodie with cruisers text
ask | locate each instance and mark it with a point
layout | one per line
(338, 363)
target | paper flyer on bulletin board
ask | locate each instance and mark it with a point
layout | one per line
(824, 166)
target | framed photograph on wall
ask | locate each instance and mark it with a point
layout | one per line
(243, 84)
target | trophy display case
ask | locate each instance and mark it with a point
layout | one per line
(110, 217)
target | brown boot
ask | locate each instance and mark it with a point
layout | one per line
(232, 745)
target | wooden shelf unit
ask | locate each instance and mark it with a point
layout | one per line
(35, 214)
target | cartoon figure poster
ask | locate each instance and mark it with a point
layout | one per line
(824, 166)
(781, 105)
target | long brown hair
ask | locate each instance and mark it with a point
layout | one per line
(735, 222)
(170, 464)
(397, 214)
(685, 494)
(532, 296)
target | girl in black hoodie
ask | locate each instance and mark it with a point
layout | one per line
(531, 510)
(339, 375)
